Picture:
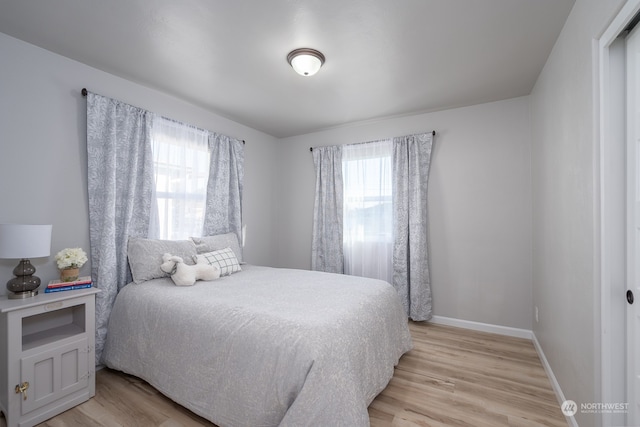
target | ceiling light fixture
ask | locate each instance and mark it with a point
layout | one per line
(305, 61)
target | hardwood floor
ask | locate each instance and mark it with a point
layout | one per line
(452, 377)
(458, 377)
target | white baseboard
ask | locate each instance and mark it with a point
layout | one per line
(483, 327)
(554, 382)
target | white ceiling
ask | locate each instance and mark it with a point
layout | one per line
(384, 57)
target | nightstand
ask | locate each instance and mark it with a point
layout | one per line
(47, 362)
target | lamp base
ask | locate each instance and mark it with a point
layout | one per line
(24, 285)
(22, 295)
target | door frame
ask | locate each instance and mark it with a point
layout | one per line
(610, 196)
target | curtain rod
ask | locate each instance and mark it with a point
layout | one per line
(432, 133)
(84, 93)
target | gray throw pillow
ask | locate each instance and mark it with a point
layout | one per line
(145, 256)
(217, 242)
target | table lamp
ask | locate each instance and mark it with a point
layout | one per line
(21, 241)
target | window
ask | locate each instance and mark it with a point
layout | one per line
(367, 209)
(181, 163)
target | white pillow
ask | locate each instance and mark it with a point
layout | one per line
(224, 259)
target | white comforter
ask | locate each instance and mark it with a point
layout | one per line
(264, 346)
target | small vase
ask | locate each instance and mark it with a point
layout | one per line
(69, 274)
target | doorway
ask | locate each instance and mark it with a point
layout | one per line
(618, 177)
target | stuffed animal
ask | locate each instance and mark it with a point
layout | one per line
(186, 275)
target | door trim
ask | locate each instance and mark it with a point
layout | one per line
(610, 138)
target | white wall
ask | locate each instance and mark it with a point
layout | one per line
(479, 205)
(565, 283)
(43, 149)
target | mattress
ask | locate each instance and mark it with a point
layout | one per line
(263, 346)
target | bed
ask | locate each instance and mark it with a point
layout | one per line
(262, 346)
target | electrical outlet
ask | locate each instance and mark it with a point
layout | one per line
(536, 311)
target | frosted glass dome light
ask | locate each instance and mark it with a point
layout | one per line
(305, 62)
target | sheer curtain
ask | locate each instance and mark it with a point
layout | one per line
(120, 186)
(181, 165)
(368, 210)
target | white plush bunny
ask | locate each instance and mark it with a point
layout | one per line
(186, 275)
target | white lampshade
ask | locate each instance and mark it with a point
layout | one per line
(306, 62)
(19, 241)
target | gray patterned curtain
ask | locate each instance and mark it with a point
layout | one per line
(326, 250)
(411, 160)
(223, 212)
(120, 184)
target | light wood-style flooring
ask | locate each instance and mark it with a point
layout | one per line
(452, 377)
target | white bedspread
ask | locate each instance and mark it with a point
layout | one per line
(264, 346)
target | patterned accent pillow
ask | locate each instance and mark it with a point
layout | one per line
(225, 259)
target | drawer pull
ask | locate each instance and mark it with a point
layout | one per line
(23, 389)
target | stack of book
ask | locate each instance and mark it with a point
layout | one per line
(57, 285)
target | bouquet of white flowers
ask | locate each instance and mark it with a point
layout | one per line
(71, 258)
